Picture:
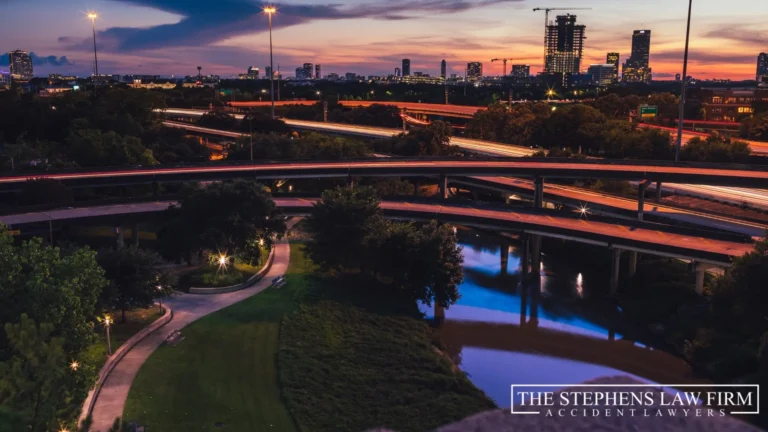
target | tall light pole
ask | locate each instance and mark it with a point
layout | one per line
(269, 10)
(684, 86)
(107, 323)
(93, 16)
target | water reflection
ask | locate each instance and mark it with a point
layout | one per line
(504, 332)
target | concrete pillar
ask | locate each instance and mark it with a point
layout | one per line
(120, 236)
(641, 199)
(632, 264)
(538, 192)
(523, 302)
(533, 309)
(504, 259)
(536, 256)
(700, 269)
(658, 192)
(524, 240)
(443, 186)
(611, 335)
(615, 262)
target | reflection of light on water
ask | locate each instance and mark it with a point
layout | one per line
(580, 285)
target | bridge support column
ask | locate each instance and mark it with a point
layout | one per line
(536, 256)
(615, 263)
(135, 234)
(120, 236)
(658, 191)
(632, 264)
(524, 244)
(538, 192)
(700, 269)
(641, 199)
(443, 186)
(504, 259)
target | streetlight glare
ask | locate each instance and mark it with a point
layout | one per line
(92, 15)
(107, 320)
(74, 365)
(270, 10)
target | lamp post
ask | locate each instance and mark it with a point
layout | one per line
(684, 85)
(160, 288)
(269, 10)
(93, 16)
(107, 323)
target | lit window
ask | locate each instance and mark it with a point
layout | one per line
(746, 110)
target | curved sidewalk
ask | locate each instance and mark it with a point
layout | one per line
(186, 309)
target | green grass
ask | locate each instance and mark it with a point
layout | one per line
(120, 332)
(224, 371)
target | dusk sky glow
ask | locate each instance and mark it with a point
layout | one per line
(371, 37)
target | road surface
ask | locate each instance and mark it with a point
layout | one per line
(647, 238)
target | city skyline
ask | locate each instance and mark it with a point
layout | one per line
(134, 36)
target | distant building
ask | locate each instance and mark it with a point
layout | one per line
(318, 70)
(729, 104)
(637, 67)
(614, 58)
(398, 72)
(677, 77)
(443, 66)
(21, 65)
(762, 66)
(267, 72)
(406, 67)
(565, 46)
(521, 71)
(333, 77)
(474, 71)
(159, 84)
(253, 72)
(602, 74)
(422, 78)
(350, 76)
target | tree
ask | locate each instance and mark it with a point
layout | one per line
(422, 264)
(50, 287)
(218, 120)
(222, 217)
(92, 148)
(575, 127)
(307, 146)
(35, 383)
(134, 280)
(755, 127)
(261, 122)
(715, 149)
(433, 140)
(341, 223)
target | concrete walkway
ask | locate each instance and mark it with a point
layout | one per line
(186, 309)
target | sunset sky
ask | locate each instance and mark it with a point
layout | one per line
(371, 37)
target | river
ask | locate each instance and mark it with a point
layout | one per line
(558, 332)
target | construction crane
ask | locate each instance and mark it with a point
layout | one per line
(546, 23)
(504, 60)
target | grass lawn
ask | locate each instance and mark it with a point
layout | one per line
(351, 360)
(224, 371)
(120, 332)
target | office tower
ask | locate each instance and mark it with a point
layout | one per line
(442, 68)
(474, 70)
(602, 74)
(613, 58)
(318, 74)
(406, 67)
(308, 71)
(350, 76)
(521, 71)
(762, 66)
(300, 73)
(21, 65)
(267, 72)
(637, 67)
(253, 72)
(397, 72)
(677, 77)
(565, 46)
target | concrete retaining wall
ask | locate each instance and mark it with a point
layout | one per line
(118, 355)
(252, 280)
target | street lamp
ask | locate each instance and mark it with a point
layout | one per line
(107, 323)
(160, 288)
(93, 16)
(684, 85)
(270, 10)
(74, 365)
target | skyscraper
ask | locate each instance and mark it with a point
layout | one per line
(602, 74)
(762, 66)
(318, 75)
(613, 58)
(637, 67)
(253, 72)
(397, 72)
(565, 46)
(267, 72)
(521, 71)
(308, 72)
(406, 67)
(474, 70)
(21, 65)
(442, 68)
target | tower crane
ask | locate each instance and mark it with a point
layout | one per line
(504, 61)
(546, 22)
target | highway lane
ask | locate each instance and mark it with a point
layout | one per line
(415, 107)
(647, 238)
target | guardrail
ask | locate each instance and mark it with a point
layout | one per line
(93, 395)
(252, 280)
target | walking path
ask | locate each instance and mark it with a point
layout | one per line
(186, 309)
